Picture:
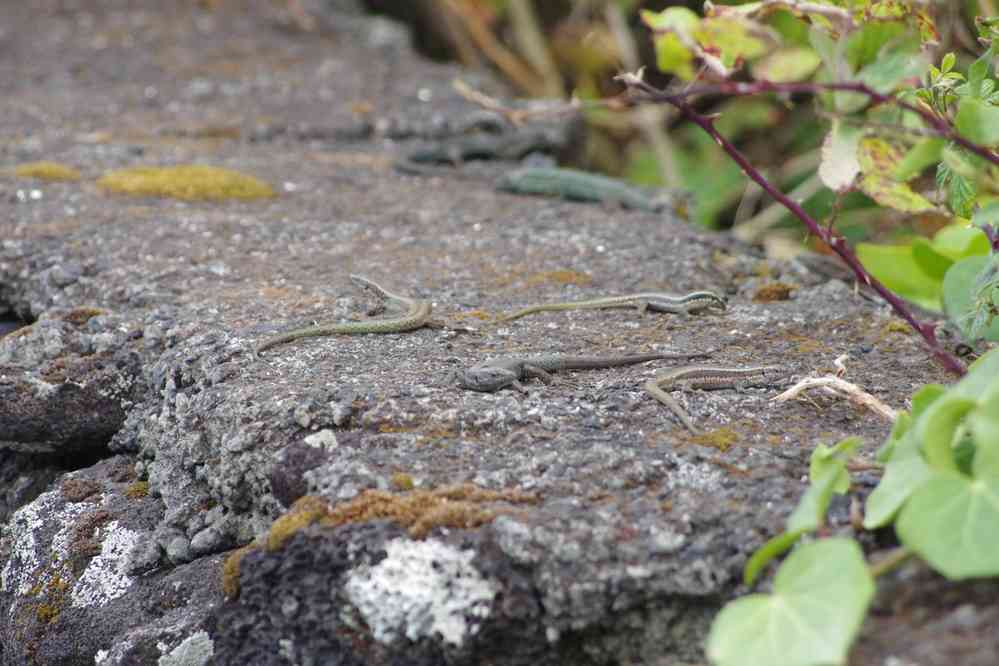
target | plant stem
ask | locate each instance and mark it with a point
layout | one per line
(890, 562)
(833, 239)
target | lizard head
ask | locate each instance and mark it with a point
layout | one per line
(486, 378)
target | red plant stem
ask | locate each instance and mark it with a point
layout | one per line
(735, 88)
(834, 240)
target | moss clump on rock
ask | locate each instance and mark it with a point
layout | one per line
(188, 182)
(46, 171)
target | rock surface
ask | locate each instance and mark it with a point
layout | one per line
(381, 514)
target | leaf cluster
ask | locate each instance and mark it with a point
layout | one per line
(940, 493)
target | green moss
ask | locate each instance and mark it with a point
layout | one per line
(46, 171)
(137, 490)
(187, 182)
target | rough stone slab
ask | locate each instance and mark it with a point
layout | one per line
(640, 531)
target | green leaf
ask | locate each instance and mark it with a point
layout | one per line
(821, 594)
(931, 262)
(672, 55)
(864, 46)
(772, 549)
(919, 157)
(924, 397)
(952, 522)
(947, 63)
(887, 72)
(961, 298)
(903, 421)
(811, 510)
(823, 457)
(978, 121)
(938, 426)
(987, 214)
(977, 73)
(958, 241)
(894, 266)
(787, 64)
(904, 473)
(879, 160)
(984, 426)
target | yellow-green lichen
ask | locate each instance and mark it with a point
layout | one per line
(46, 171)
(402, 481)
(719, 438)
(137, 490)
(188, 182)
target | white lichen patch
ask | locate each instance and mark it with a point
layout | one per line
(104, 578)
(195, 650)
(422, 589)
(32, 565)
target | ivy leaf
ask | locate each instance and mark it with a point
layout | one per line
(769, 551)
(821, 594)
(938, 426)
(904, 473)
(984, 425)
(987, 215)
(952, 522)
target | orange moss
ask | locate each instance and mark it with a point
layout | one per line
(774, 291)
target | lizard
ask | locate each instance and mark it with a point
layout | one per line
(416, 316)
(576, 185)
(708, 377)
(695, 301)
(499, 373)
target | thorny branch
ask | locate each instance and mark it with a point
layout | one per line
(642, 91)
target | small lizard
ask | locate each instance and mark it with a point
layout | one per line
(695, 301)
(499, 373)
(707, 377)
(576, 185)
(416, 316)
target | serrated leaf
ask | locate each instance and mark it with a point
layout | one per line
(924, 154)
(840, 164)
(673, 29)
(977, 73)
(733, 40)
(888, 71)
(978, 121)
(952, 522)
(960, 297)
(787, 64)
(878, 162)
(821, 594)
